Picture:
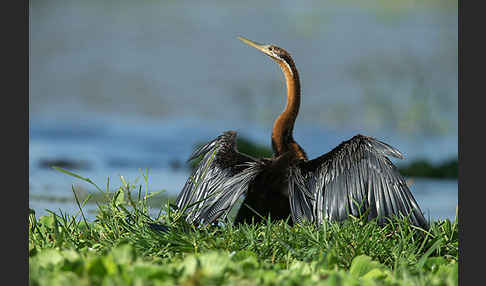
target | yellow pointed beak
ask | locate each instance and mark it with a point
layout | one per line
(260, 47)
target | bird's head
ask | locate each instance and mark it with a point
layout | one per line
(276, 53)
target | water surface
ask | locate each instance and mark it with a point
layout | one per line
(128, 85)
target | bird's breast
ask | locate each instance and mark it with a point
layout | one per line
(271, 183)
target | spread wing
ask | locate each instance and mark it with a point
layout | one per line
(355, 176)
(221, 177)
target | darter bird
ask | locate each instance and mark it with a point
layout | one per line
(354, 177)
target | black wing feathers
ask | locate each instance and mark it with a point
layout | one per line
(356, 176)
(221, 177)
(300, 198)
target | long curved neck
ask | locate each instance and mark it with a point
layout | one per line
(282, 139)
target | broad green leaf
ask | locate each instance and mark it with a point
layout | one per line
(150, 271)
(375, 274)
(363, 264)
(433, 263)
(96, 267)
(49, 257)
(123, 254)
(110, 265)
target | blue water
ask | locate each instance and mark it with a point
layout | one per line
(112, 149)
(132, 85)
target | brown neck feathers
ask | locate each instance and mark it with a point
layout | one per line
(282, 139)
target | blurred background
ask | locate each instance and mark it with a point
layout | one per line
(121, 87)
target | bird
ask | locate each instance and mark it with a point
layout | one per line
(355, 178)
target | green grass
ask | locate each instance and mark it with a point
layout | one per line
(119, 248)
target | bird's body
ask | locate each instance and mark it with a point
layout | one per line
(268, 193)
(354, 177)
